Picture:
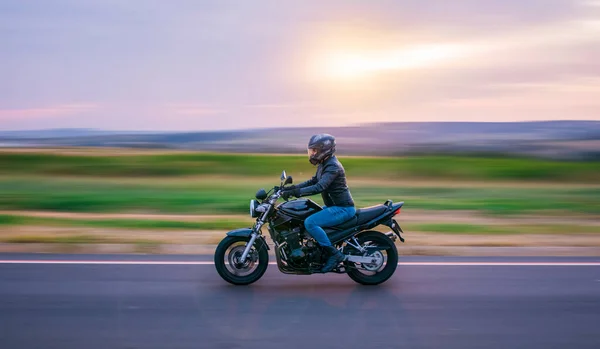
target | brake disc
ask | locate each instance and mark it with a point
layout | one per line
(236, 254)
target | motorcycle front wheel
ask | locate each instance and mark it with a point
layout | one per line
(227, 256)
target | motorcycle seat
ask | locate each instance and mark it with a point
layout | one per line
(363, 215)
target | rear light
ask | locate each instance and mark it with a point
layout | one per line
(397, 211)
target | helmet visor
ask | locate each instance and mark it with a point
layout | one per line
(312, 151)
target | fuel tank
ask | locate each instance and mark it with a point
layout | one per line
(299, 209)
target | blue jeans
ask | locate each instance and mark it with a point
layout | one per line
(328, 217)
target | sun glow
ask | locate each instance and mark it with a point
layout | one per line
(357, 55)
(342, 65)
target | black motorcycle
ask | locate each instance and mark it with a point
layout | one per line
(370, 257)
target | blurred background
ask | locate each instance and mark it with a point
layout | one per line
(148, 126)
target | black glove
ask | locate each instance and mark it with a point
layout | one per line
(290, 187)
(290, 192)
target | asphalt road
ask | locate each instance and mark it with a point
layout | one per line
(428, 303)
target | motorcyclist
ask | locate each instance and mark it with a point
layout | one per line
(330, 182)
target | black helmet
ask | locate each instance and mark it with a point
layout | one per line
(320, 147)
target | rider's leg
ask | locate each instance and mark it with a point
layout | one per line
(328, 217)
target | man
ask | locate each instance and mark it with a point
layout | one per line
(330, 182)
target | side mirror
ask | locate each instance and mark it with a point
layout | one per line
(283, 175)
(288, 180)
(261, 194)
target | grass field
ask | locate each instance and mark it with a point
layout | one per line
(211, 196)
(488, 194)
(186, 164)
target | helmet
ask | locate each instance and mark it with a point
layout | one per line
(320, 147)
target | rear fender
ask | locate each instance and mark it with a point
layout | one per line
(396, 228)
(246, 232)
(371, 249)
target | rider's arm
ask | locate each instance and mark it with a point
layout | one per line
(311, 181)
(327, 177)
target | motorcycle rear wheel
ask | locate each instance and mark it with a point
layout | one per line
(383, 272)
(227, 257)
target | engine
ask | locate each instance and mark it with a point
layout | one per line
(301, 250)
(292, 237)
(313, 254)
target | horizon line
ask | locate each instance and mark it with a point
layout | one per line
(355, 125)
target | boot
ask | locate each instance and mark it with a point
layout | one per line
(335, 257)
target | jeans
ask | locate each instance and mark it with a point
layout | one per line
(328, 217)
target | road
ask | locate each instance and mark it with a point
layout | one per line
(98, 301)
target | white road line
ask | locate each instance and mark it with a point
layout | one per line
(508, 264)
(108, 262)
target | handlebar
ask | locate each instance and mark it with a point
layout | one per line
(276, 195)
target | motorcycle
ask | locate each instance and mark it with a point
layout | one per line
(370, 257)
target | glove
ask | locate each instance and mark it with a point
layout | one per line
(290, 187)
(290, 192)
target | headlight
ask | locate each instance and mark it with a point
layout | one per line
(256, 209)
(253, 206)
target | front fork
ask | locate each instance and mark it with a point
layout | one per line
(259, 223)
(254, 236)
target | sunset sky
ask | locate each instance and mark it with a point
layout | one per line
(199, 65)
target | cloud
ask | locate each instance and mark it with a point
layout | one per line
(47, 112)
(356, 60)
(249, 68)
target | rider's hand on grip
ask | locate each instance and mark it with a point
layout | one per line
(287, 193)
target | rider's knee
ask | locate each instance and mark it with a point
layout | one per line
(309, 223)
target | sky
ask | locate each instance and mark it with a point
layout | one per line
(190, 65)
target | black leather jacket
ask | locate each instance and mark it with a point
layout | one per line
(330, 181)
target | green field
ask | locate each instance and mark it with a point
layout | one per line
(207, 184)
(202, 164)
(224, 183)
(212, 196)
(63, 200)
